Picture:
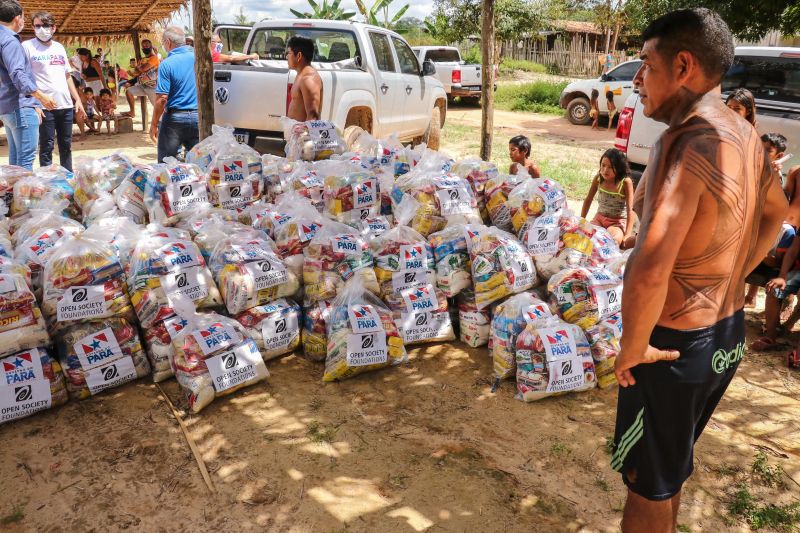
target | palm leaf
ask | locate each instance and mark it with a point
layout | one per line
(400, 13)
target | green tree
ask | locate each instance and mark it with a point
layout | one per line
(241, 19)
(324, 11)
(378, 14)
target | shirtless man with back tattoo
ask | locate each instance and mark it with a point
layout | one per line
(710, 210)
(306, 101)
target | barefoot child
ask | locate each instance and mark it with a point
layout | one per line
(614, 190)
(612, 108)
(594, 112)
(519, 150)
(107, 107)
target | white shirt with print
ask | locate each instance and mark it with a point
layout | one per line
(51, 65)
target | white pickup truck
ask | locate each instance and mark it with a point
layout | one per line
(370, 78)
(772, 74)
(576, 96)
(457, 77)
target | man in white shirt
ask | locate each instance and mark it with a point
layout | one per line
(52, 72)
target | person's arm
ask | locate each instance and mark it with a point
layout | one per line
(75, 96)
(311, 89)
(772, 214)
(101, 72)
(13, 58)
(647, 274)
(158, 110)
(225, 58)
(629, 207)
(533, 170)
(587, 202)
(786, 266)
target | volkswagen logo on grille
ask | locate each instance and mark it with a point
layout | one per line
(221, 95)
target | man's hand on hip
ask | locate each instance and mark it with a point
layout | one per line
(627, 360)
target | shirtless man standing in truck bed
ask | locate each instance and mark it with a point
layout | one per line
(306, 95)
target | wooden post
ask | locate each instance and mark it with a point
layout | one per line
(137, 52)
(203, 65)
(487, 78)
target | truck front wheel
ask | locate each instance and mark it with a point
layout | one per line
(434, 133)
(578, 111)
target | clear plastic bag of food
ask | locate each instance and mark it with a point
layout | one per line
(617, 265)
(101, 206)
(129, 196)
(293, 235)
(100, 355)
(175, 191)
(22, 326)
(532, 199)
(215, 357)
(508, 320)
(436, 198)
(46, 183)
(477, 173)
(84, 281)
(388, 151)
(553, 358)
(96, 175)
(166, 262)
(32, 381)
(451, 251)
(275, 327)
(496, 191)
(215, 228)
(119, 233)
(314, 335)
(234, 162)
(334, 256)
(500, 266)
(237, 194)
(586, 295)
(9, 175)
(605, 250)
(350, 193)
(604, 339)
(276, 170)
(202, 154)
(9, 266)
(373, 226)
(474, 325)
(250, 273)
(313, 140)
(558, 241)
(362, 335)
(305, 181)
(158, 343)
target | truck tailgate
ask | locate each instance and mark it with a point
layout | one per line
(471, 76)
(250, 97)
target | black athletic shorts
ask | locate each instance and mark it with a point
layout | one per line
(661, 417)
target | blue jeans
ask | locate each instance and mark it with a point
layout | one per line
(56, 125)
(176, 130)
(22, 131)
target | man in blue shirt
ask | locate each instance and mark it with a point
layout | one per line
(20, 100)
(176, 98)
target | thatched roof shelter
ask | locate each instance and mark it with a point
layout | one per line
(101, 20)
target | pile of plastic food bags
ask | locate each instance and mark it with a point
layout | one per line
(207, 270)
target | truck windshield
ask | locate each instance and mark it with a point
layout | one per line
(768, 78)
(330, 46)
(442, 55)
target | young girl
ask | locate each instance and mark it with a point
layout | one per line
(742, 102)
(614, 190)
(594, 112)
(612, 108)
(519, 150)
(107, 107)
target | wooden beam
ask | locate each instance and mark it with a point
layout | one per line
(147, 10)
(487, 79)
(71, 13)
(203, 65)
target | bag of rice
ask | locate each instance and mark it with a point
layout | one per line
(361, 335)
(604, 338)
(586, 295)
(99, 355)
(313, 140)
(500, 266)
(249, 273)
(22, 326)
(275, 327)
(334, 256)
(552, 358)
(451, 251)
(509, 319)
(32, 381)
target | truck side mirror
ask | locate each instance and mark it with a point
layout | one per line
(428, 68)
(604, 77)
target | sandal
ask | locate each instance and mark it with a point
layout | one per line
(764, 344)
(793, 360)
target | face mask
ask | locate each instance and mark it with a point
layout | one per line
(147, 51)
(218, 48)
(44, 34)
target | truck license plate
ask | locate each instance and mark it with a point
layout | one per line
(242, 137)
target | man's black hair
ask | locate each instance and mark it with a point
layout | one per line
(304, 45)
(522, 143)
(9, 9)
(776, 140)
(699, 31)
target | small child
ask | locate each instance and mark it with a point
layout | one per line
(107, 107)
(775, 145)
(519, 150)
(90, 106)
(594, 112)
(612, 108)
(614, 189)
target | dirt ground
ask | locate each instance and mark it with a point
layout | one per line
(422, 447)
